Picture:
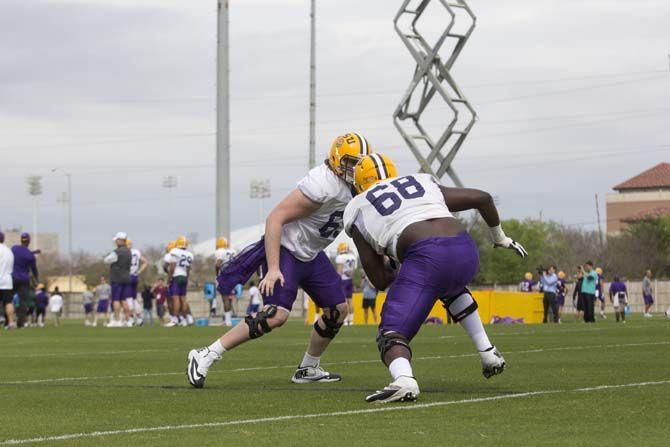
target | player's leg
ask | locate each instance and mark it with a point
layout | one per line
(365, 311)
(227, 309)
(10, 314)
(323, 284)
(275, 312)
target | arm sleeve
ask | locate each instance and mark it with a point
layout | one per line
(111, 258)
(317, 187)
(33, 267)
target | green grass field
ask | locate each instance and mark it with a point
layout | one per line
(572, 384)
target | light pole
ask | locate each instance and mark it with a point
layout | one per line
(35, 189)
(170, 182)
(260, 189)
(312, 87)
(222, 123)
(68, 199)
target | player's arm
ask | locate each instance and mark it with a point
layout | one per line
(143, 265)
(373, 263)
(170, 270)
(111, 258)
(463, 199)
(294, 206)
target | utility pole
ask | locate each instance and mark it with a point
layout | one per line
(312, 88)
(600, 228)
(260, 189)
(170, 182)
(68, 200)
(35, 190)
(222, 124)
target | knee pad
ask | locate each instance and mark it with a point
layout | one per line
(460, 306)
(387, 340)
(258, 325)
(332, 325)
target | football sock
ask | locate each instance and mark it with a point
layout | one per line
(472, 323)
(400, 367)
(308, 360)
(217, 347)
(228, 318)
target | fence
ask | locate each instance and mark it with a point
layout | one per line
(74, 308)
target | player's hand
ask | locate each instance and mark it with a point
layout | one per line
(268, 282)
(511, 244)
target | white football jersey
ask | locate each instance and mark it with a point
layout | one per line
(135, 257)
(348, 261)
(308, 236)
(386, 209)
(224, 254)
(183, 260)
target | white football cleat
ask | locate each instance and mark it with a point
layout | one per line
(403, 389)
(170, 323)
(199, 362)
(309, 374)
(189, 320)
(493, 363)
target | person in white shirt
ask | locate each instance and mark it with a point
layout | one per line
(290, 257)
(56, 306)
(346, 263)
(222, 256)
(255, 298)
(138, 264)
(6, 284)
(178, 271)
(409, 220)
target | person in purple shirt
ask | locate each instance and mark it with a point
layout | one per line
(527, 284)
(41, 302)
(619, 298)
(24, 264)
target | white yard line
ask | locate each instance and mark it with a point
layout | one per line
(349, 362)
(375, 409)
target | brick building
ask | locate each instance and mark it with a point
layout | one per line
(645, 195)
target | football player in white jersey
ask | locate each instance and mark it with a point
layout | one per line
(164, 266)
(346, 263)
(138, 264)
(178, 271)
(409, 219)
(291, 256)
(222, 255)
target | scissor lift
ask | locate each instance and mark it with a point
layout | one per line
(431, 76)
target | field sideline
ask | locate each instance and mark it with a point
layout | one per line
(572, 384)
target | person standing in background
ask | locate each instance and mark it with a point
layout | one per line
(89, 316)
(41, 302)
(160, 293)
(119, 261)
(589, 282)
(6, 282)
(30, 305)
(647, 294)
(600, 291)
(255, 299)
(102, 293)
(577, 299)
(527, 284)
(346, 263)
(619, 299)
(369, 299)
(138, 264)
(549, 282)
(561, 291)
(24, 264)
(56, 306)
(222, 255)
(147, 305)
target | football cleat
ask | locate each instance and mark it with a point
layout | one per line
(309, 374)
(199, 362)
(493, 363)
(403, 389)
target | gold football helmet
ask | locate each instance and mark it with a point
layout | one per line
(345, 152)
(372, 169)
(181, 242)
(170, 246)
(221, 242)
(343, 247)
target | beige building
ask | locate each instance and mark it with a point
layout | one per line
(47, 242)
(643, 196)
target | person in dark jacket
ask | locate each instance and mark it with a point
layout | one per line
(119, 262)
(147, 305)
(577, 299)
(24, 264)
